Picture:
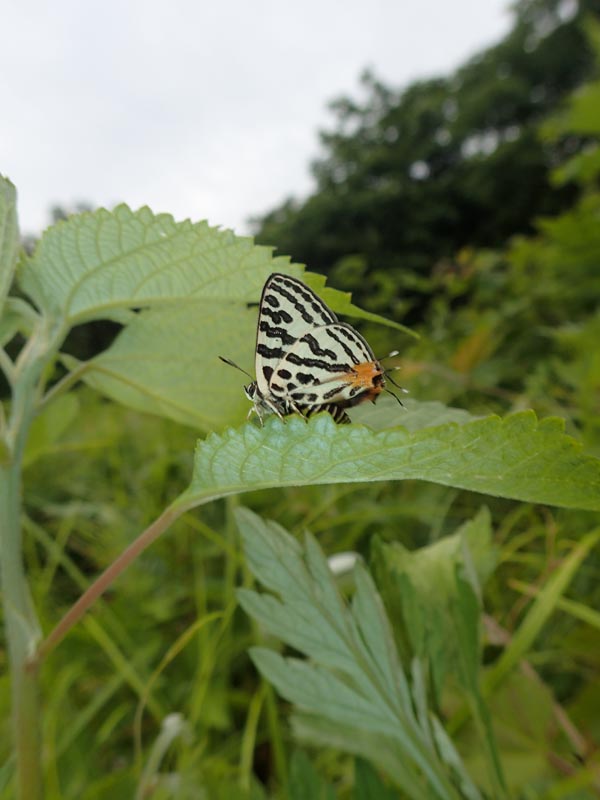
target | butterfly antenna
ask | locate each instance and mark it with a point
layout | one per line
(393, 382)
(235, 366)
(386, 372)
(395, 396)
(390, 355)
(390, 369)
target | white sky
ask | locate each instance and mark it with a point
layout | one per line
(204, 110)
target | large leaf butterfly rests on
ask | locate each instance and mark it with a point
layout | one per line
(306, 360)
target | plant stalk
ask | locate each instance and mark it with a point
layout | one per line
(23, 634)
(102, 583)
(22, 627)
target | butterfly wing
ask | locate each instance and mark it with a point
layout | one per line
(288, 310)
(330, 364)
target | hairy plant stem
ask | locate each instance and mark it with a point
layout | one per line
(22, 627)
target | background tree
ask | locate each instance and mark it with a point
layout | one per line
(411, 176)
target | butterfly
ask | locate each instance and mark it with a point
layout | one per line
(306, 360)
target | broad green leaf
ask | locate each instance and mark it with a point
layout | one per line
(93, 263)
(9, 236)
(517, 457)
(412, 414)
(353, 675)
(166, 362)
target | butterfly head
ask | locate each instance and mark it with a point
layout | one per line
(251, 391)
(366, 381)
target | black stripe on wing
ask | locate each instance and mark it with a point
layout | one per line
(275, 332)
(288, 310)
(351, 342)
(316, 363)
(276, 316)
(282, 289)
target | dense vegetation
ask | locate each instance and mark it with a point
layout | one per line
(470, 207)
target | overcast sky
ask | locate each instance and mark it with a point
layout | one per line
(204, 110)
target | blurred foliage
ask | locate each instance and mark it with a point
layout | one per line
(416, 199)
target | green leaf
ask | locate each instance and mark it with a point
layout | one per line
(412, 415)
(581, 115)
(305, 781)
(368, 785)
(4, 448)
(17, 317)
(93, 263)
(353, 677)
(425, 589)
(434, 595)
(342, 303)
(518, 457)
(48, 427)
(381, 750)
(166, 362)
(181, 291)
(449, 754)
(583, 167)
(522, 710)
(9, 236)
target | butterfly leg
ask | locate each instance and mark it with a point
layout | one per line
(274, 407)
(254, 410)
(296, 409)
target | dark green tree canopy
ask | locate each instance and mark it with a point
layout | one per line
(409, 177)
